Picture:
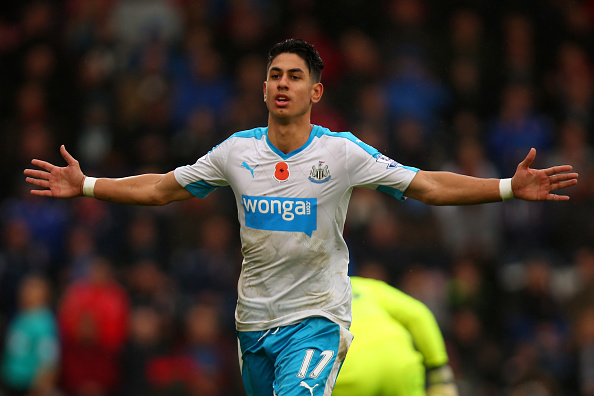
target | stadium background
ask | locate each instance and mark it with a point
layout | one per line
(147, 85)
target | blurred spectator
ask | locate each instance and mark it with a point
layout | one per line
(30, 361)
(95, 140)
(468, 59)
(88, 23)
(144, 106)
(137, 23)
(470, 287)
(144, 239)
(82, 251)
(536, 324)
(246, 108)
(94, 79)
(574, 147)
(476, 358)
(208, 265)
(382, 236)
(200, 81)
(572, 227)
(363, 67)
(406, 26)
(309, 28)
(427, 285)
(409, 138)
(20, 256)
(39, 21)
(463, 228)
(147, 340)
(199, 134)
(247, 25)
(518, 59)
(585, 351)
(46, 221)
(570, 84)
(364, 207)
(413, 92)
(209, 350)
(582, 296)
(149, 286)
(93, 320)
(580, 309)
(533, 302)
(518, 127)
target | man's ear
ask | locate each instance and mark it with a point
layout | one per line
(264, 90)
(316, 92)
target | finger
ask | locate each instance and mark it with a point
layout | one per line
(558, 169)
(42, 193)
(43, 164)
(37, 174)
(38, 182)
(555, 197)
(563, 177)
(563, 184)
(528, 160)
(66, 155)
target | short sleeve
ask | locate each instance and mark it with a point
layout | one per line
(370, 168)
(206, 174)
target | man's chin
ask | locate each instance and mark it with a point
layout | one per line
(282, 114)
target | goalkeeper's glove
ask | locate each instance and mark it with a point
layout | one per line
(440, 381)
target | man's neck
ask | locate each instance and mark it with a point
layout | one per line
(290, 136)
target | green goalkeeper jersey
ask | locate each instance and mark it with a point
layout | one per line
(396, 339)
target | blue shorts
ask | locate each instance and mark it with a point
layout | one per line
(296, 360)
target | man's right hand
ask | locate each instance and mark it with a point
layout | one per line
(56, 181)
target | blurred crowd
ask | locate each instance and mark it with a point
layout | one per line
(98, 299)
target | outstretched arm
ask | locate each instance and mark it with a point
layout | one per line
(67, 182)
(446, 188)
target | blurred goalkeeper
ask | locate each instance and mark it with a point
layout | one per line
(398, 348)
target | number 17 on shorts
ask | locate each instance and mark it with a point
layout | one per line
(296, 360)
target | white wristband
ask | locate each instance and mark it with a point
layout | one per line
(88, 188)
(505, 189)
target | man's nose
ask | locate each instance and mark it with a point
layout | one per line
(284, 81)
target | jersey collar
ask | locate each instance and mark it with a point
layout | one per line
(284, 156)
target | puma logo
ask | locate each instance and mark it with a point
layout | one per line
(310, 388)
(246, 166)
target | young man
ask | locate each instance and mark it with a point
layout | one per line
(397, 342)
(292, 182)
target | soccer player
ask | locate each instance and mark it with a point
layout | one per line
(292, 182)
(397, 341)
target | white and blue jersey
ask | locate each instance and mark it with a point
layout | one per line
(292, 210)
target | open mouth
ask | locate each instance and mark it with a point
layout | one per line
(281, 100)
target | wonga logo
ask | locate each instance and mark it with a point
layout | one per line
(281, 214)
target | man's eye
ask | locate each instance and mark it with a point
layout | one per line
(295, 77)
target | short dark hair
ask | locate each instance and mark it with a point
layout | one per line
(304, 50)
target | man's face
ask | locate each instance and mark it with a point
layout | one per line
(289, 90)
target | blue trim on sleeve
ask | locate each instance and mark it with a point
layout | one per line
(200, 188)
(392, 192)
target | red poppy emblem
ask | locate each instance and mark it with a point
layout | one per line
(281, 171)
